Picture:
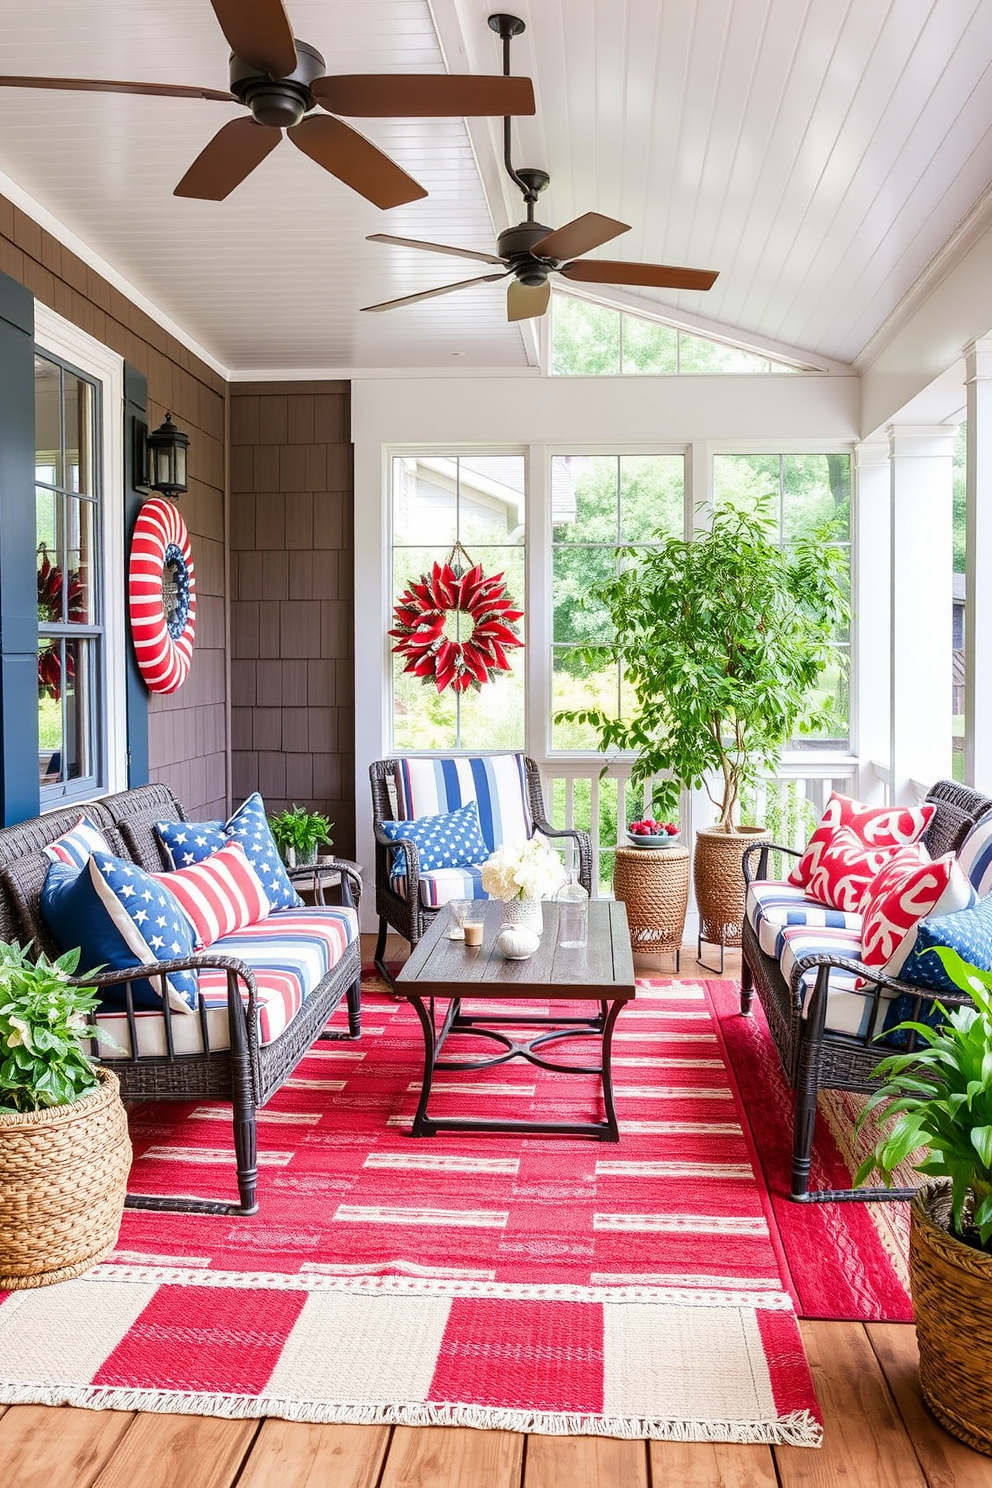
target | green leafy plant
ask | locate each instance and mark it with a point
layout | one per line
(722, 638)
(940, 1095)
(300, 829)
(43, 1017)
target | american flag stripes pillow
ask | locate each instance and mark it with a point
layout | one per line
(220, 895)
(76, 846)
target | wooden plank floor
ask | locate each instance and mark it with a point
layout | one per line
(877, 1434)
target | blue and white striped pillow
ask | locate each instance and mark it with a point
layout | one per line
(975, 856)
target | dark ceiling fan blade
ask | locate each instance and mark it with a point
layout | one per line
(258, 31)
(656, 276)
(355, 160)
(423, 95)
(579, 236)
(231, 155)
(526, 302)
(433, 247)
(430, 294)
(111, 85)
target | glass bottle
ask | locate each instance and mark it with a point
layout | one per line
(573, 915)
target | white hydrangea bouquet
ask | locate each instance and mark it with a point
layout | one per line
(527, 870)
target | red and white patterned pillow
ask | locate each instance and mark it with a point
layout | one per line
(845, 868)
(218, 896)
(910, 888)
(877, 826)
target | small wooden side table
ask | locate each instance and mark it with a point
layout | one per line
(654, 885)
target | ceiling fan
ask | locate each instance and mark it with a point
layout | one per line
(280, 80)
(531, 252)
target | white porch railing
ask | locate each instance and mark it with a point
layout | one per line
(579, 794)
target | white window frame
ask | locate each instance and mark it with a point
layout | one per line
(60, 338)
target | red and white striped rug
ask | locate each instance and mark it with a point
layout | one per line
(543, 1284)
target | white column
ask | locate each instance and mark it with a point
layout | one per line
(870, 618)
(921, 606)
(978, 569)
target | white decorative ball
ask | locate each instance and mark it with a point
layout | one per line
(517, 942)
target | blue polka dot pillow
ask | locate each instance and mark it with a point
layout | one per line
(451, 841)
(967, 931)
(186, 843)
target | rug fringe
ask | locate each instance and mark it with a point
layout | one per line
(798, 1429)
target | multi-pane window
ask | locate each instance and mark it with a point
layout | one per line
(807, 494)
(590, 340)
(599, 504)
(70, 605)
(440, 502)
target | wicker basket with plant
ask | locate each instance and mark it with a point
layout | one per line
(940, 1094)
(64, 1148)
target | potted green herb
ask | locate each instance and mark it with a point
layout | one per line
(298, 833)
(64, 1149)
(722, 638)
(940, 1095)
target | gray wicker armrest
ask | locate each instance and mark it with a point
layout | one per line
(583, 843)
(163, 968)
(877, 982)
(412, 853)
(762, 849)
(318, 873)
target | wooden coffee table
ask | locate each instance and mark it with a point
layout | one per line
(443, 970)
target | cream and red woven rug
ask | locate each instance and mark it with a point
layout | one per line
(546, 1284)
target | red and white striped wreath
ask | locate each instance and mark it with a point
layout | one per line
(485, 611)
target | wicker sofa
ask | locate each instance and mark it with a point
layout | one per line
(222, 1051)
(807, 979)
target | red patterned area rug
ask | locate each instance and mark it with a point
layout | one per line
(846, 1261)
(545, 1284)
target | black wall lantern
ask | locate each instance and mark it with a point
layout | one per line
(161, 458)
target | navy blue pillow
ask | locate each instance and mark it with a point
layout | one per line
(191, 842)
(119, 916)
(451, 841)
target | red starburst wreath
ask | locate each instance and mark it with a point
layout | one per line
(421, 613)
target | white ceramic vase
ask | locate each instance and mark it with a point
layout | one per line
(524, 912)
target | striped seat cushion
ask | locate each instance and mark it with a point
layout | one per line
(847, 1012)
(771, 907)
(443, 884)
(975, 856)
(290, 953)
(496, 782)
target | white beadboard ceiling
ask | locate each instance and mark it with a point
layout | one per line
(818, 153)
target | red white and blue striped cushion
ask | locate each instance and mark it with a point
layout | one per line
(290, 953)
(772, 906)
(847, 1012)
(443, 884)
(76, 846)
(220, 895)
(434, 787)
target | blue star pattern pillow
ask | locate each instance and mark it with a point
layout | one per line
(119, 917)
(190, 842)
(967, 931)
(452, 841)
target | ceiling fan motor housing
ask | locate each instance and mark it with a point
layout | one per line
(280, 103)
(514, 245)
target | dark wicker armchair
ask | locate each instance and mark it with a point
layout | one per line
(246, 1073)
(406, 912)
(813, 1057)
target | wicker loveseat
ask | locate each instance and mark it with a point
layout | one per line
(241, 1043)
(806, 972)
(507, 789)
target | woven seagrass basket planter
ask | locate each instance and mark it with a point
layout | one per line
(63, 1176)
(951, 1285)
(718, 876)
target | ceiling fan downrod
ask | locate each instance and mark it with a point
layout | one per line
(506, 28)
